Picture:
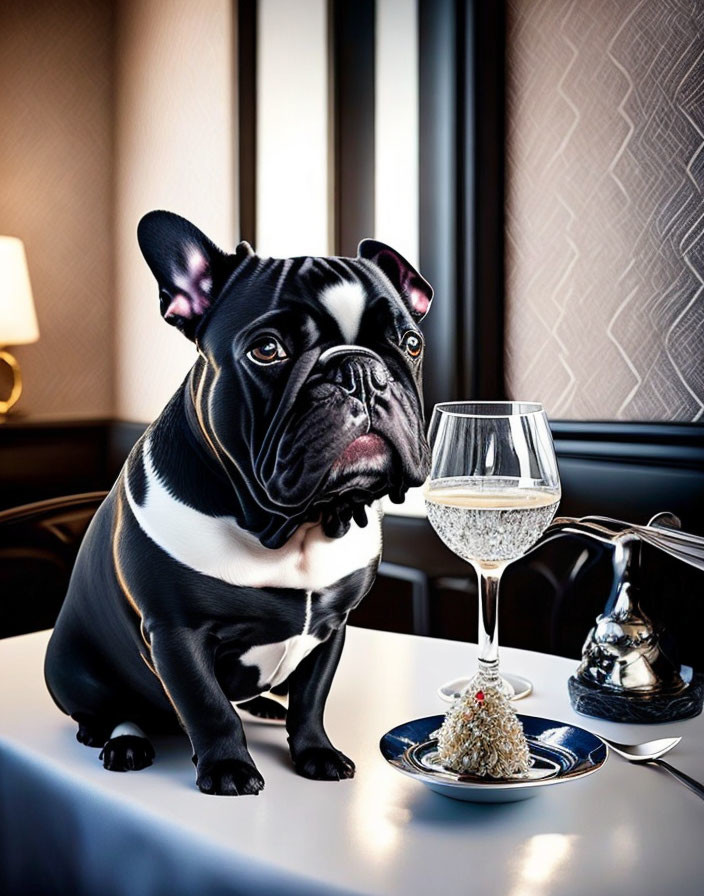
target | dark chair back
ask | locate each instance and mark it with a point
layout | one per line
(38, 547)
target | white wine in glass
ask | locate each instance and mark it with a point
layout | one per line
(493, 490)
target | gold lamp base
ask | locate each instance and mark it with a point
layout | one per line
(16, 388)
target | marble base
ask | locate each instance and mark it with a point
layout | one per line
(591, 700)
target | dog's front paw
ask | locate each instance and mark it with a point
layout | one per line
(91, 731)
(229, 777)
(127, 753)
(323, 764)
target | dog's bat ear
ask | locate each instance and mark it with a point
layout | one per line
(416, 292)
(189, 268)
(244, 250)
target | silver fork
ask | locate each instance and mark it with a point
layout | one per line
(650, 752)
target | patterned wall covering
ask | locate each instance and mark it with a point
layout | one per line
(605, 213)
(55, 194)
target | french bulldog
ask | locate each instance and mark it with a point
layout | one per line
(243, 527)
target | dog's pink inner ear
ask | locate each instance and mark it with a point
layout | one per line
(414, 289)
(420, 301)
(193, 283)
(179, 307)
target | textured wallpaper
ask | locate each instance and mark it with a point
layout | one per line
(56, 194)
(605, 212)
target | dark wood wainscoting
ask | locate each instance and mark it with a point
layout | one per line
(40, 460)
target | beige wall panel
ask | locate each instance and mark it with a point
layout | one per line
(605, 211)
(396, 199)
(292, 128)
(56, 193)
(174, 151)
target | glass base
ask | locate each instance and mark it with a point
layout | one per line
(514, 686)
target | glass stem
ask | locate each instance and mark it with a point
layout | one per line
(488, 635)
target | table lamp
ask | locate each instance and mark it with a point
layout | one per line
(18, 320)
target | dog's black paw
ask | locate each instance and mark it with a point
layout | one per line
(264, 708)
(91, 731)
(229, 777)
(127, 753)
(323, 764)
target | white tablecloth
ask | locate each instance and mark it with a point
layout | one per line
(413, 505)
(66, 825)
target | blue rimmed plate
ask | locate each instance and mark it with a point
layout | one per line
(559, 753)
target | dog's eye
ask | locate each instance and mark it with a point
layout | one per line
(412, 343)
(267, 350)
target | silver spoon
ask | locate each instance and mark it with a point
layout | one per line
(650, 752)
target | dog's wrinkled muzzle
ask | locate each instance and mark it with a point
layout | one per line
(354, 434)
(360, 372)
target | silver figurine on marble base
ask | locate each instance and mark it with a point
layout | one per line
(626, 674)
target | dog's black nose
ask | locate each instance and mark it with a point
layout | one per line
(359, 370)
(363, 378)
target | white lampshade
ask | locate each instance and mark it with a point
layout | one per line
(18, 319)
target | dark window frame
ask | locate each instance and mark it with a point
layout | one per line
(461, 103)
(351, 67)
(246, 117)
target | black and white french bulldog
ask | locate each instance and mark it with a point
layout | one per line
(243, 527)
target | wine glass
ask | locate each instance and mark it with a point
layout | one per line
(493, 489)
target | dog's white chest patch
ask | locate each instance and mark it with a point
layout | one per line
(345, 302)
(277, 661)
(218, 547)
